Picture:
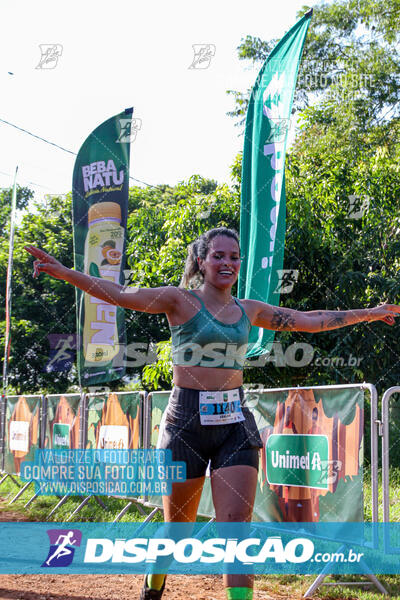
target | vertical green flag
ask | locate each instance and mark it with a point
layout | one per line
(7, 337)
(263, 201)
(100, 205)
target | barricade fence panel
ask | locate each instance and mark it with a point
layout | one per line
(311, 463)
(69, 421)
(22, 431)
(113, 421)
(156, 404)
(2, 428)
(394, 428)
(61, 418)
(390, 445)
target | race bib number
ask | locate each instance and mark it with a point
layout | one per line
(220, 408)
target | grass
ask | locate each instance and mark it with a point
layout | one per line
(294, 586)
(91, 512)
(42, 506)
(394, 485)
(276, 586)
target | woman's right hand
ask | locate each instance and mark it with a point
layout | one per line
(151, 300)
(46, 263)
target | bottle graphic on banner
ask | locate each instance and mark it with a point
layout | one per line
(114, 427)
(103, 254)
(23, 432)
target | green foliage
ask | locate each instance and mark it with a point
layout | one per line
(159, 374)
(351, 44)
(39, 306)
(159, 235)
(162, 222)
(345, 262)
(24, 195)
(347, 145)
(160, 232)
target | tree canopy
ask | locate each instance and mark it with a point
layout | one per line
(351, 49)
(345, 161)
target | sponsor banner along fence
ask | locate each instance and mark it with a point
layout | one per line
(21, 431)
(113, 421)
(311, 464)
(68, 421)
(62, 422)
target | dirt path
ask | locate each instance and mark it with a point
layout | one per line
(120, 587)
(116, 587)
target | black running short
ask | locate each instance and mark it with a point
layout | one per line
(196, 444)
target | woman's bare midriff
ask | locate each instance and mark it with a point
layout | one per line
(207, 378)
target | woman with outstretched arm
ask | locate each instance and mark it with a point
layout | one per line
(210, 329)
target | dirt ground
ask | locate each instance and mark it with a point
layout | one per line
(114, 587)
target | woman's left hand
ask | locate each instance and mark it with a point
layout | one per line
(385, 312)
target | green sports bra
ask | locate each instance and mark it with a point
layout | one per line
(204, 341)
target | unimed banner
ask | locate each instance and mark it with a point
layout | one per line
(311, 463)
(311, 466)
(100, 204)
(263, 201)
(62, 425)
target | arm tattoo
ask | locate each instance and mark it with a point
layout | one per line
(281, 321)
(337, 320)
(324, 320)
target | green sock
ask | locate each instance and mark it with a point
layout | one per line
(239, 593)
(155, 582)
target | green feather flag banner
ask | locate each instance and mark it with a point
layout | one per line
(263, 200)
(100, 206)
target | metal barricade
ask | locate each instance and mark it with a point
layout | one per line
(385, 465)
(158, 401)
